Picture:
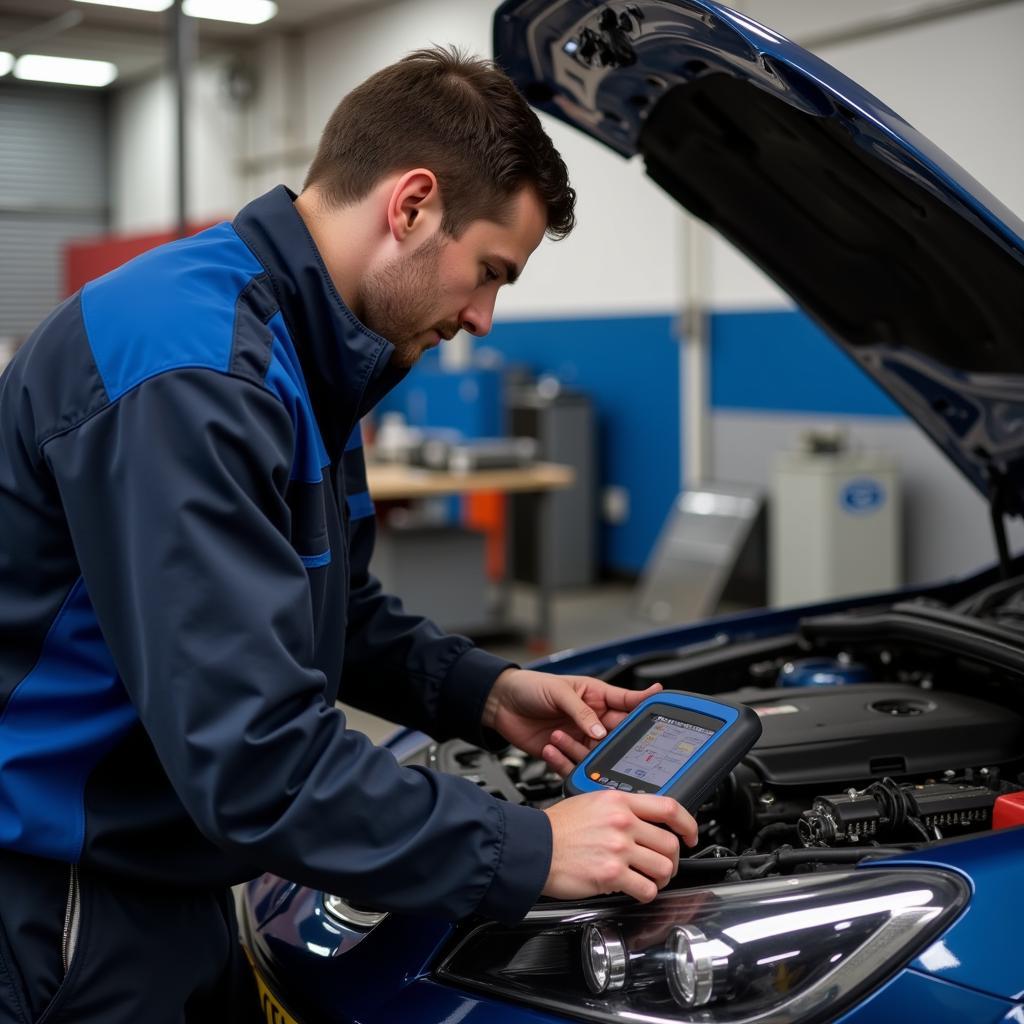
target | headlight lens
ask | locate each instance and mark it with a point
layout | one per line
(790, 948)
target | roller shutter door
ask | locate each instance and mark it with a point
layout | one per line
(53, 188)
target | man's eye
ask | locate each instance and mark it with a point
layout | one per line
(490, 274)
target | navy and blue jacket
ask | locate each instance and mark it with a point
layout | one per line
(185, 591)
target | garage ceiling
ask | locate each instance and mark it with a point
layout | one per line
(137, 41)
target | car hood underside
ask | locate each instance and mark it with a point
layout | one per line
(906, 262)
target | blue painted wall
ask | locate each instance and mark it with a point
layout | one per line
(469, 401)
(781, 361)
(629, 366)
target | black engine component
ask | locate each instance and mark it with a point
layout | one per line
(508, 775)
(886, 809)
(844, 735)
(828, 739)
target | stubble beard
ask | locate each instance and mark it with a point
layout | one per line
(397, 299)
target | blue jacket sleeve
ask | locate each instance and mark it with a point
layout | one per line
(403, 667)
(175, 499)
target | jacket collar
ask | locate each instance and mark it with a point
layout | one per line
(346, 365)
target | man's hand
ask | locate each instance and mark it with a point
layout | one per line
(536, 710)
(610, 842)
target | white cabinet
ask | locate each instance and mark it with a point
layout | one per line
(835, 526)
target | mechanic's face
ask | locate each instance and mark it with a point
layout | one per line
(415, 299)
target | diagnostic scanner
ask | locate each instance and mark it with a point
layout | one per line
(674, 744)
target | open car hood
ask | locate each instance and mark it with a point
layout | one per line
(900, 256)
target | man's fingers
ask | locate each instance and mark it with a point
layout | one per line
(600, 844)
(571, 747)
(557, 761)
(658, 868)
(580, 712)
(639, 886)
(660, 840)
(663, 810)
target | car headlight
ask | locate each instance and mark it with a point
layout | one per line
(781, 949)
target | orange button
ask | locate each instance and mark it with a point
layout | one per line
(595, 775)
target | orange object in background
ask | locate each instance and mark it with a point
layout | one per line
(486, 512)
(90, 258)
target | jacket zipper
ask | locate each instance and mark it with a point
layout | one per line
(71, 920)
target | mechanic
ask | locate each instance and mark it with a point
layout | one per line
(185, 584)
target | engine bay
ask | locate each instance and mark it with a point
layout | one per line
(883, 729)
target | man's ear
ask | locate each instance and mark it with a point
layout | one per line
(414, 206)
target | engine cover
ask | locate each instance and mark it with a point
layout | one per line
(847, 734)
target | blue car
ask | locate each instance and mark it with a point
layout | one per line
(863, 862)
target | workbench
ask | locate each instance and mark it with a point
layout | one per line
(397, 482)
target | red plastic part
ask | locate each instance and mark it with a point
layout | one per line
(1008, 810)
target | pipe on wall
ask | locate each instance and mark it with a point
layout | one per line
(183, 51)
(694, 364)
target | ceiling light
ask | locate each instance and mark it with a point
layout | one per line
(247, 12)
(133, 5)
(6, 62)
(35, 67)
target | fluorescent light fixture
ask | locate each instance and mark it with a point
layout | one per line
(6, 62)
(35, 67)
(133, 5)
(246, 12)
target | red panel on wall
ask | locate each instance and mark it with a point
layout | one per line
(91, 258)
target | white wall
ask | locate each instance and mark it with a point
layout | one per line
(142, 160)
(142, 152)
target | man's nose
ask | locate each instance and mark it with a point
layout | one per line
(478, 318)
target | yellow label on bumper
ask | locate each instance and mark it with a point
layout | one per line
(274, 1012)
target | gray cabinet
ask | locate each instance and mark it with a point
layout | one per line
(564, 427)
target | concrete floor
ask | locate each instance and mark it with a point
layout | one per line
(581, 617)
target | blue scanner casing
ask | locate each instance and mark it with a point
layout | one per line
(699, 773)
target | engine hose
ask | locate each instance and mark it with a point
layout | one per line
(787, 857)
(757, 865)
(774, 829)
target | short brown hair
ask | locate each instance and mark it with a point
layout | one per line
(459, 116)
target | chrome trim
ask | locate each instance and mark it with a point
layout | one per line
(352, 917)
(604, 940)
(690, 969)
